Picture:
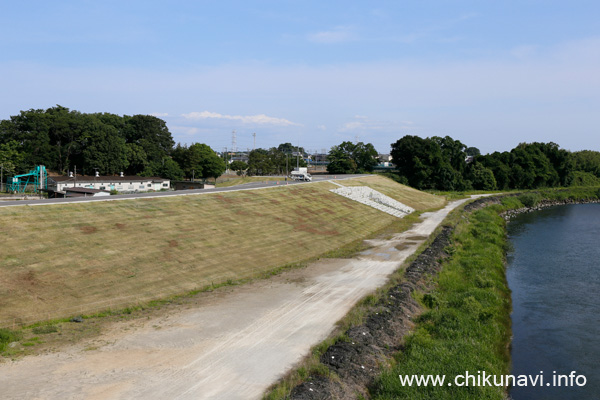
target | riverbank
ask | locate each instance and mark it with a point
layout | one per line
(447, 314)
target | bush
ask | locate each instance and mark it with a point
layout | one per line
(7, 336)
(530, 199)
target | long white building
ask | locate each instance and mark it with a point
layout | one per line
(123, 184)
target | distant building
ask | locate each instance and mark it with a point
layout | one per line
(319, 159)
(385, 161)
(123, 184)
(189, 185)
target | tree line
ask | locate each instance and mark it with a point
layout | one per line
(63, 139)
(447, 164)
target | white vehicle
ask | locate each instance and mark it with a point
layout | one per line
(301, 174)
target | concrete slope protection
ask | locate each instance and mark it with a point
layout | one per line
(232, 347)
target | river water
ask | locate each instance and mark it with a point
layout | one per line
(554, 274)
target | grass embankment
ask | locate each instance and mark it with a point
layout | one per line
(466, 325)
(64, 260)
(240, 180)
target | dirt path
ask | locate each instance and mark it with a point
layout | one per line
(233, 347)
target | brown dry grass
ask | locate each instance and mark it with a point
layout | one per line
(62, 260)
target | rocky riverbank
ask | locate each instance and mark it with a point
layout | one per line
(542, 204)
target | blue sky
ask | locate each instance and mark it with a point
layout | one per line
(491, 74)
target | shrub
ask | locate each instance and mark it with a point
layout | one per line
(530, 199)
(7, 336)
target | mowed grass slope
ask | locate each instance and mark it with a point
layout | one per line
(62, 260)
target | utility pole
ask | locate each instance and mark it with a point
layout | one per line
(298, 157)
(254, 136)
(1, 178)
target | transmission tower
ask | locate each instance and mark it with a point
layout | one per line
(254, 145)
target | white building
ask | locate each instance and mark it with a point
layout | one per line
(123, 184)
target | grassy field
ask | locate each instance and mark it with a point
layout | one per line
(64, 260)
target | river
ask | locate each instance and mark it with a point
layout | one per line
(554, 274)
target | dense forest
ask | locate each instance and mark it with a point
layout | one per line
(63, 140)
(447, 164)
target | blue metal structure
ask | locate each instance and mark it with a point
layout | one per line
(36, 177)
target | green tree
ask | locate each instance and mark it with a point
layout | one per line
(200, 161)
(499, 164)
(103, 149)
(167, 168)
(340, 159)
(260, 162)
(418, 160)
(288, 148)
(481, 178)
(472, 151)
(586, 161)
(530, 168)
(238, 166)
(349, 158)
(10, 157)
(31, 129)
(151, 133)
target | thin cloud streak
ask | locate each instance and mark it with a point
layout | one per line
(260, 119)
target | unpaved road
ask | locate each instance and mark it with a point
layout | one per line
(232, 347)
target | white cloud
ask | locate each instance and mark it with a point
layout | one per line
(185, 130)
(260, 119)
(365, 125)
(352, 126)
(159, 115)
(337, 35)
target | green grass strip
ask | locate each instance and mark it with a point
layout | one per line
(466, 325)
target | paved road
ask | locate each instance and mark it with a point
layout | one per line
(246, 186)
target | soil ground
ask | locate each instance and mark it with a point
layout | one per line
(232, 346)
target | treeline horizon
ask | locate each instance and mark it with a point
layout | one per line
(449, 165)
(107, 143)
